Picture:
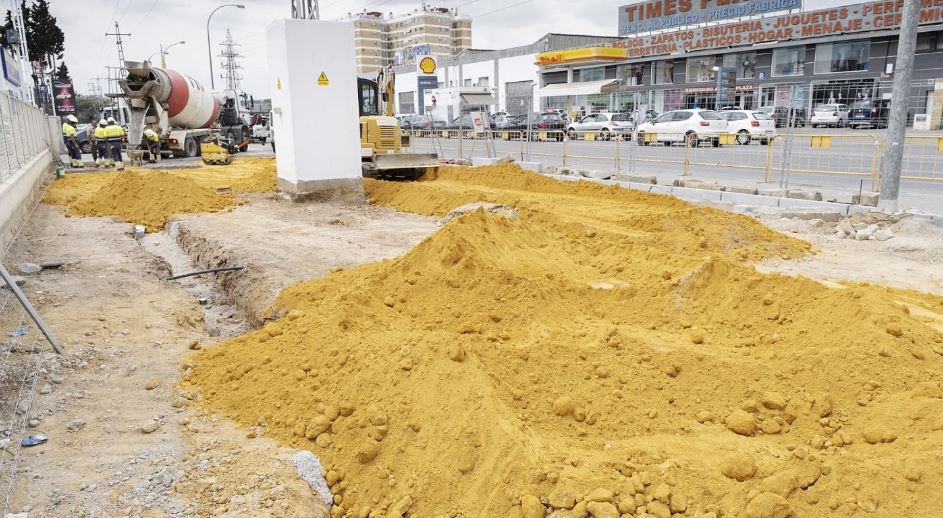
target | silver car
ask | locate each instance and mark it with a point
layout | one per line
(606, 125)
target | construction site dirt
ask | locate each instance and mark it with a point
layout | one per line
(594, 352)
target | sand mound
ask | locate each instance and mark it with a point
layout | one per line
(149, 198)
(605, 353)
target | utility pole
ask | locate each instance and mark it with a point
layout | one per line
(897, 119)
(118, 34)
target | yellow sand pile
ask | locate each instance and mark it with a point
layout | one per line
(606, 353)
(244, 175)
(149, 198)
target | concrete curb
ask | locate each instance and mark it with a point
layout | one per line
(747, 200)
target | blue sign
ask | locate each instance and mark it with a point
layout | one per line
(11, 68)
(657, 15)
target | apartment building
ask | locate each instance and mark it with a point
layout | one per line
(388, 39)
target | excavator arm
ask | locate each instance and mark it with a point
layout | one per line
(386, 80)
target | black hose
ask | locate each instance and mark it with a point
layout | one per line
(201, 272)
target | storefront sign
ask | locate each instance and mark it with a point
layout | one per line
(811, 24)
(713, 89)
(581, 55)
(657, 15)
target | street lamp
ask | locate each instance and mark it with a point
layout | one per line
(209, 48)
(163, 52)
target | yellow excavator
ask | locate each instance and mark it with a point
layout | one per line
(382, 143)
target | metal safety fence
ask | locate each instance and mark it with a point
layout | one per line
(758, 158)
(25, 131)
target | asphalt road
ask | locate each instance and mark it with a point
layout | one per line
(837, 171)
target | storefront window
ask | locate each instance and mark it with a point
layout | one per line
(842, 57)
(744, 62)
(633, 75)
(700, 70)
(664, 72)
(589, 74)
(789, 62)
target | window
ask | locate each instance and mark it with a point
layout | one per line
(667, 117)
(589, 74)
(842, 57)
(407, 102)
(681, 116)
(483, 81)
(789, 62)
(633, 75)
(664, 72)
(467, 82)
(927, 42)
(700, 70)
(761, 116)
(709, 115)
(744, 63)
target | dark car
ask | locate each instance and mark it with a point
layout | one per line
(780, 114)
(462, 122)
(538, 122)
(423, 122)
(869, 113)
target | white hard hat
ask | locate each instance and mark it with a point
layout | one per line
(148, 132)
(111, 120)
(71, 118)
(103, 122)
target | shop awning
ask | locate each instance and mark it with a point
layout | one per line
(478, 99)
(569, 89)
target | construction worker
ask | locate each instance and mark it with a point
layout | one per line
(92, 143)
(152, 141)
(68, 135)
(101, 141)
(114, 133)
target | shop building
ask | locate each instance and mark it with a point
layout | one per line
(802, 58)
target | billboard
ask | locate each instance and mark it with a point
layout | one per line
(808, 24)
(408, 55)
(657, 15)
(64, 96)
(11, 68)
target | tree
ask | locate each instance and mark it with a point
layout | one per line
(88, 107)
(43, 36)
(7, 26)
(62, 73)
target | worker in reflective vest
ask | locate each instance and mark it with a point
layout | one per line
(114, 133)
(152, 141)
(101, 143)
(68, 136)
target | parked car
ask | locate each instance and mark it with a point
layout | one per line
(546, 121)
(749, 125)
(462, 122)
(423, 122)
(780, 115)
(81, 136)
(690, 126)
(500, 121)
(607, 125)
(870, 113)
(829, 115)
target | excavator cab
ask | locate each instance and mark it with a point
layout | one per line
(382, 142)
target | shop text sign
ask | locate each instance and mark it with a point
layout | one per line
(656, 15)
(810, 24)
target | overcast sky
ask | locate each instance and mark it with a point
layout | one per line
(495, 24)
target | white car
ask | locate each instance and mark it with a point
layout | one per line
(829, 115)
(691, 126)
(750, 125)
(606, 125)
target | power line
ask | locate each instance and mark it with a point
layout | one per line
(498, 10)
(148, 13)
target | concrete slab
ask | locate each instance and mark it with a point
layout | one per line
(749, 199)
(810, 214)
(480, 161)
(696, 194)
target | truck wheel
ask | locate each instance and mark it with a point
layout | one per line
(190, 147)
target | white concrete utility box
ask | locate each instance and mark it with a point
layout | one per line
(315, 114)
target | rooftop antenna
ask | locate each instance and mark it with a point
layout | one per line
(305, 10)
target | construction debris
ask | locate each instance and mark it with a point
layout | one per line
(606, 352)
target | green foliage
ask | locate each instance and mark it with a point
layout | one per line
(88, 107)
(43, 35)
(62, 73)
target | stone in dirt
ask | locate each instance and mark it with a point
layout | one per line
(563, 406)
(151, 383)
(150, 427)
(494, 208)
(531, 507)
(310, 470)
(768, 505)
(599, 495)
(561, 499)
(602, 510)
(883, 235)
(75, 425)
(29, 268)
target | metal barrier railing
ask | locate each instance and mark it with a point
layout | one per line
(923, 158)
(24, 133)
(818, 153)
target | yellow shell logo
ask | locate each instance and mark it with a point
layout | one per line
(427, 65)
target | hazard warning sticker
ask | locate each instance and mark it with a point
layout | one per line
(322, 80)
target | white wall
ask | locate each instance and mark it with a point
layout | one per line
(518, 68)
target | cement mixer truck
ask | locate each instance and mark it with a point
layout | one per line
(181, 110)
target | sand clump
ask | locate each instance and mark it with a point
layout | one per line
(522, 366)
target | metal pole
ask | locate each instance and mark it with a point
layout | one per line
(897, 120)
(11, 284)
(163, 63)
(209, 45)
